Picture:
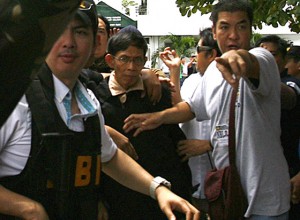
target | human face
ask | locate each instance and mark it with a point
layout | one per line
(204, 58)
(293, 67)
(232, 31)
(273, 48)
(102, 37)
(127, 74)
(71, 51)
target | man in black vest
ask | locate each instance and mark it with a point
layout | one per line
(51, 147)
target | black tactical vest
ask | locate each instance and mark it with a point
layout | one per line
(63, 170)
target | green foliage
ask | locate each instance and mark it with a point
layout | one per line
(126, 4)
(181, 44)
(270, 12)
(254, 38)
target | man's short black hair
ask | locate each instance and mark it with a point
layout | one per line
(126, 37)
(208, 40)
(282, 44)
(231, 6)
(294, 53)
(106, 22)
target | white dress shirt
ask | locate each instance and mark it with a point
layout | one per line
(15, 134)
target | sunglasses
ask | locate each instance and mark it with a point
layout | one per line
(203, 48)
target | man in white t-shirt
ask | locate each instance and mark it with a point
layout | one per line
(76, 111)
(259, 155)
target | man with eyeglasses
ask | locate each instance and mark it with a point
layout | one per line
(125, 94)
(52, 149)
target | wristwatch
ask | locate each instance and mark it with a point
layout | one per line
(156, 182)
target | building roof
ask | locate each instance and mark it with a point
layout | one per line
(116, 18)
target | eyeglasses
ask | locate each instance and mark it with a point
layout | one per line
(136, 60)
(203, 48)
(85, 5)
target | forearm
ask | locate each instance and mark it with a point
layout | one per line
(179, 113)
(175, 79)
(128, 173)
(20, 206)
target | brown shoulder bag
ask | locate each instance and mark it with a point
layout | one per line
(223, 188)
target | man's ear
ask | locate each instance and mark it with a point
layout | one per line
(109, 59)
(213, 55)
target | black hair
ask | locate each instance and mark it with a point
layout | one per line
(107, 25)
(124, 39)
(294, 53)
(208, 40)
(281, 43)
(231, 6)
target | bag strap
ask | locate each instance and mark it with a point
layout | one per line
(231, 139)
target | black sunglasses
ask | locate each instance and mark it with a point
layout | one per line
(203, 48)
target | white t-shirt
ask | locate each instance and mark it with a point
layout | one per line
(15, 134)
(259, 155)
(194, 129)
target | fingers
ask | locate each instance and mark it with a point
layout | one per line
(137, 131)
(134, 122)
(231, 77)
(130, 123)
(225, 69)
(295, 190)
(113, 31)
(191, 213)
(195, 213)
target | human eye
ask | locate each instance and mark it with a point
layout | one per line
(242, 26)
(223, 27)
(81, 31)
(124, 59)
(138, 60)
(101, 31)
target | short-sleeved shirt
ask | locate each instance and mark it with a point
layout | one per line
(259, 154)
(15, 134)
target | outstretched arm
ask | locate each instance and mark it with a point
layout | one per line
(127, 172)
(141, 122)
(20, 206)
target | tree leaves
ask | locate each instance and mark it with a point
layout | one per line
(270, 12)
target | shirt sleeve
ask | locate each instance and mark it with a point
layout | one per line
(15, 140)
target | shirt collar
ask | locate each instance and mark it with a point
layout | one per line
(117, 89)
(61, 90)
